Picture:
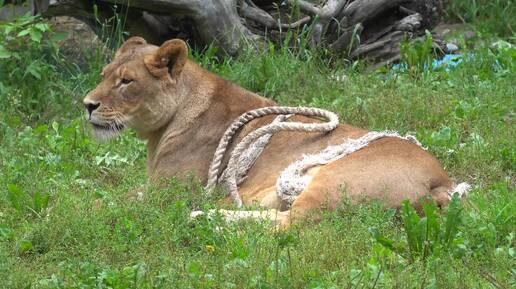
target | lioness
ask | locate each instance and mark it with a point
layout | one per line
(182, 111)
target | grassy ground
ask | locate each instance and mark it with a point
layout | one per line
(65, 222)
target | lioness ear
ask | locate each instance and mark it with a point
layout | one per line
(169, 59)
(130, 43)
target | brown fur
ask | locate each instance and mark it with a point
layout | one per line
(182, 111)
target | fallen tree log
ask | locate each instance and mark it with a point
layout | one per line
(351, 28)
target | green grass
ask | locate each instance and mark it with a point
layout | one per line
(489, 16)
(66, 222)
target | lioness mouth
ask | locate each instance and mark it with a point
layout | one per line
(109, 126)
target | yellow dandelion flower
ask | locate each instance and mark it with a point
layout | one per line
(210, 248)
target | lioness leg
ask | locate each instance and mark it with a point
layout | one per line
(383, 171)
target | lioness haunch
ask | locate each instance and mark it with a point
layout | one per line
(182, 111)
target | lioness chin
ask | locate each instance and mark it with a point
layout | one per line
(183, 110)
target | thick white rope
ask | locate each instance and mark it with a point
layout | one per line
(292, 180)
(232, 167)
(251, 154)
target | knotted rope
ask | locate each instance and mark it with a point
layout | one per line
(233, 164)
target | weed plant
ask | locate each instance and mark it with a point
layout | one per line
(66, 220)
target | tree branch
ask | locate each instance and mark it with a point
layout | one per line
(365, 10)
(329, 10)
(258, 15)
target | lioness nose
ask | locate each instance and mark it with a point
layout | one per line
(91, 106)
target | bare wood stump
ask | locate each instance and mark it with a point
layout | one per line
(353, 29)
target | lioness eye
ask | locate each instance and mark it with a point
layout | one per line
(126, 80)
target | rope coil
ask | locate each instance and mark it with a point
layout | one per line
(332, 121)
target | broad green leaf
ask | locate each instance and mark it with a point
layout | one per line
(43, 27)
(453, 219)
(41, 129)
(433, 226)
(26, 246)
(8, 29)
(36, 35)
(421, 236)
(33, 69)
(40, 201)
(387, 243)
(15, 196)
(23, 32)
(410, 223)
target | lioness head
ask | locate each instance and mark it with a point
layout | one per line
(140, 88)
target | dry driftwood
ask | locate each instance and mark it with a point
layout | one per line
(353, 28)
